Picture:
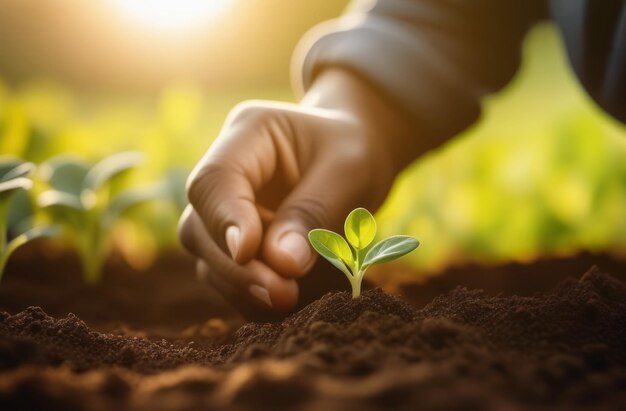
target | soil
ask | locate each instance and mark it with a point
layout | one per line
(561, 347)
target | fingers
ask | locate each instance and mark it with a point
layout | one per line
(252, 282)
(224, 199)
(238, 164)
(323, 198)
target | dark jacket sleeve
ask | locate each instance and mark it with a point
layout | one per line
(594, 33)
(433, 59)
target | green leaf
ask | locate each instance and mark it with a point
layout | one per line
(389, 249)
(64, 207)
(64, 173)
(131, 198)
(52, 198)
(33, 233)
(20, 213)
(360, 228)
(175, 180)
(8, 163)
(332, 247)
(22, 239)
(21, 170)
(10, 187)
(111, 166)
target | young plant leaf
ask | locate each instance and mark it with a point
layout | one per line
(131, 198)
(22, 170)
(332, 247)
(110, 167)
(22, 239)
(360, 228)
(53, 198)
(10, 187)
(8, 163)
(33, 233)
(175, 181)
(389, 249)
(64, 173)
(20, 213)
(354, 258)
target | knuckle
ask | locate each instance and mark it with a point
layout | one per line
(206, 194)
(201, 182)
(250, 112)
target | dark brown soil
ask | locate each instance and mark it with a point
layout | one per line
(161, 301)
(560, 349)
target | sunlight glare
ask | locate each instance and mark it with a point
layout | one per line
(171, 14)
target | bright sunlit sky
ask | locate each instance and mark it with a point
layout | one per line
(138, 45)
(172, 14)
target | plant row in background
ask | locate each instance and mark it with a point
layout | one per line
(70, 197)
(543, 172)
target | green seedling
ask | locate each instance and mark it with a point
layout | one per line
(355, 256)
(88, 201)
(13, 181)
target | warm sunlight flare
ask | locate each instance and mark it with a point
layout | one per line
(171, 14)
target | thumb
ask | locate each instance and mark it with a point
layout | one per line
(224, 201)
(322, 199)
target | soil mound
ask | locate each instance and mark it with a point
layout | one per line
(585, 317)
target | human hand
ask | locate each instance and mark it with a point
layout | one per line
(275, 172)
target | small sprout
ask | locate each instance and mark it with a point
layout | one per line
(355, 256)
(88, 201)
(14, 180)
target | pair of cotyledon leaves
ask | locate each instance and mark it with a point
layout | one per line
(354, 256)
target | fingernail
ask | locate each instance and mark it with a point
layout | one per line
(232, 240)
(260, 294)
(296, 246)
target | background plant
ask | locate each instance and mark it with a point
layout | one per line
(89, 200)
(14, 179)
(356, 255)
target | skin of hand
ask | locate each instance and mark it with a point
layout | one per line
(278, 170)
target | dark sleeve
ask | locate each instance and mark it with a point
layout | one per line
(433, 59)
(594, 33)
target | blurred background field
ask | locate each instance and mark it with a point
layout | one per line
(542, 173)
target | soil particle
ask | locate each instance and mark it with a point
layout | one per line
(562, 349)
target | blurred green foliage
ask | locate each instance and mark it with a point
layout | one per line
(40, 120)
(543, 172)
(15, 229)
(89, 200)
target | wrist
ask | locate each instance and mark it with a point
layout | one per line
(387, 128)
